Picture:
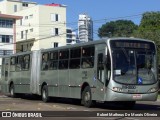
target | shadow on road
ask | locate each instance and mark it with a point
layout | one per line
(138, 106)
(107, 105)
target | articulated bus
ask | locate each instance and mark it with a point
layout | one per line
(113, 69)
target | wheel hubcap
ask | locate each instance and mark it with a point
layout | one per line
(11, 91)
(44, 94)
(87, 96)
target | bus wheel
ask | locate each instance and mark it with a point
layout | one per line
(11, 90)
(45, 97)
(87, 97)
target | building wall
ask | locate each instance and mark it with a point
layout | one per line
(47, 28)
(2, 7)
(3, 45)
(37, 21)
(71, 37)
(36, 27)
(85, 28)
(29, 24)
(8, 6)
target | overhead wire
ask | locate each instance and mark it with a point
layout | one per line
(72, 23)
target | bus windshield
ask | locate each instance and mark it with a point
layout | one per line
(134, 66)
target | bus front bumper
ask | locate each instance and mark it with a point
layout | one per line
(117, 96)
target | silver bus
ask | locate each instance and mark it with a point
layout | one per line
(114, 69)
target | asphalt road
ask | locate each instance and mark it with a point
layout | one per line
(62, 106)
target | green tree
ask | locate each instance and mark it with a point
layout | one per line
(149, 27)
(119, 28)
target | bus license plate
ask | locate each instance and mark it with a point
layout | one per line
(137, 96)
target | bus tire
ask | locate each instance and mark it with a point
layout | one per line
(12, 91)
(45, 97)
(87, 97)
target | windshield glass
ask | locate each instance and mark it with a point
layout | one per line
(145, 67)
(124, 66)
(133, 65)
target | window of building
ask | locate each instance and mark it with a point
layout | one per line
(55, 44)
(56, 31)
(6, 38)
(26, 33)
(6, 23)
(6, 52)
(31, 16)
(22, 35)
(21, 22)
(55, 17)
(25, 4)
(26, 17)
(31, 44)
(22, 48)
(31, 30)
(15, 8)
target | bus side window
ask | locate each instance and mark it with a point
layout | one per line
(45, 61)
(63, 59)
(26, 62)
(13, 64)
(88, 57)
(53, 63)
(75, 58)
(19, 63)
(6, 67)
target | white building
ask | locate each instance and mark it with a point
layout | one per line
(71, 37)
(12, 6)
(42, 26)
(85, 28)
(7, 33)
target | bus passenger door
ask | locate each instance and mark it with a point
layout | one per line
(5, 75)
(100, 75)
(6, 68)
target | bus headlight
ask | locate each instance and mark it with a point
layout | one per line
(117, 89)
(153, 89)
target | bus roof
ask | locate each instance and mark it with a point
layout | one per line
(104, 40)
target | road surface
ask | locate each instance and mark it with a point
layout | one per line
(62, 106)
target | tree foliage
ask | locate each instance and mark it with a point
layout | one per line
(149, 27)
(119, 28)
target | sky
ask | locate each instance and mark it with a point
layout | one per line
(102, 11)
